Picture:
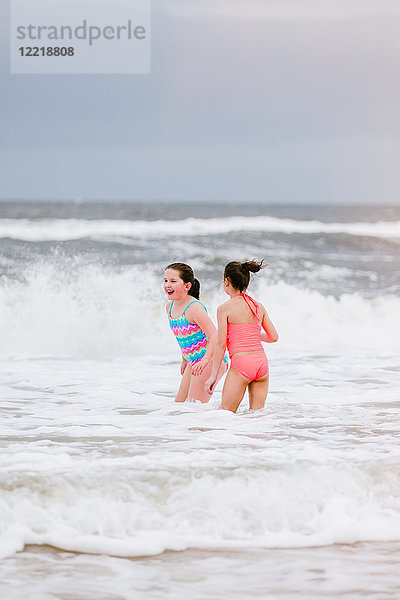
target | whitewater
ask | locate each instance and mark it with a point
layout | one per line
(110, 490)
(61, 229)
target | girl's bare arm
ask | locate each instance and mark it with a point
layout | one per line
(270, 335)
(198, 314)
(220, 346)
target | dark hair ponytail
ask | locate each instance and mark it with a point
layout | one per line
(187, 275)
(195, 289)
(253, 266)
(238, 273)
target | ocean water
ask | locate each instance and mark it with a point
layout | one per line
(110, 490)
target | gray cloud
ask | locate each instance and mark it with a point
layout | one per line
(281, 9)
(300, 105)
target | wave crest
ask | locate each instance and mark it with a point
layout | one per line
(97, 312)
(73, 229)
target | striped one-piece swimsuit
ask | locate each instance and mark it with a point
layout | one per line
(191, 339)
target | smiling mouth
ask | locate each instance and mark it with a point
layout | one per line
(170, 292)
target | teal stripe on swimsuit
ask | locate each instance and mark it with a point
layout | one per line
(191, 338)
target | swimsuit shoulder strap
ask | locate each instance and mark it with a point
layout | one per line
(170, 308)
(252, 304)
(193, 301)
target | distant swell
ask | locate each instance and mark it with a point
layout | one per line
(72, 229)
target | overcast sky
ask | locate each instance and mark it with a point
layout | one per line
(277, 101)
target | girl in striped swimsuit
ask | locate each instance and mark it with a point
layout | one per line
(194, 331)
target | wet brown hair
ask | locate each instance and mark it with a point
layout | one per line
(238, 273)
(187, 275)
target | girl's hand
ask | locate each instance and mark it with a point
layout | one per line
(210, 384)
(183, 366)
(199, 367)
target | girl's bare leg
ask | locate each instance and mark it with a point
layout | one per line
(197, 383)
(258, 391)
(185, 383)
(233, 391)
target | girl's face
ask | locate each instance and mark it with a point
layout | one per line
(174, 286)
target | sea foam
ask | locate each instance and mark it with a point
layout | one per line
(95, 312)
(140, 506)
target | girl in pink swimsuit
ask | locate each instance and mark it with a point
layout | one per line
(239, 329)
